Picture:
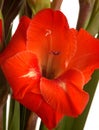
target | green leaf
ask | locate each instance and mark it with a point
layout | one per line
(14, 116)
(22, 117)
(4, 118)
(26, 10)
(10, 10)
(41, 4)
(65, 124)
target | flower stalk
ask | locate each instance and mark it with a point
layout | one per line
(31, 122)
(86, 9)
(56, 4)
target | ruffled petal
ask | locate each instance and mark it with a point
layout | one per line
(36, 104)
(18, 41)
(49, 116)
(55, 41)
(87, 56)
(22, 72)
(64, 94)
(74, 81)
(75, 77)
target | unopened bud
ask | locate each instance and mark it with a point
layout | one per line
(86, 8)
(37, 5)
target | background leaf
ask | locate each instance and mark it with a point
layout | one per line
(14, 116)
(42, 127)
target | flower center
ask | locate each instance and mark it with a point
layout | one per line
(49, 72)
(53, 53)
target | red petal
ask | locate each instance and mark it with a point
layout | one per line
(63, 94)
(36, 104)
(87, 55)
(75, 77)
(51, 40)
(22, 72)
(48, 115)
(18, 41)
(74, 81)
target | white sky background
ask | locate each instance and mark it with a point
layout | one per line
(71, 8)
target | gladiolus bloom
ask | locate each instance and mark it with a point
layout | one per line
(47, 65)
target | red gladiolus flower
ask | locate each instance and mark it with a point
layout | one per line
(47, 64)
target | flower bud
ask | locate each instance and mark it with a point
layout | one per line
(93, 26)
(86, 8)
(37, 5)
(89, 16)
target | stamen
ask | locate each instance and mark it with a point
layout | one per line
(50, 72)
(54, 52)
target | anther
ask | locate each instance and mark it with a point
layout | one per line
(54, 52)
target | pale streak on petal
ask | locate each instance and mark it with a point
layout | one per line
(48, 32)
(62, 84)
(31, 74)
(66, 64)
